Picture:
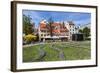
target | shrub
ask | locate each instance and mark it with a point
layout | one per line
(87, 38)
(30, 38)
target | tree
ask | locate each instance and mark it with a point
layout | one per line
(30, 38)
(37, 35)
(81, 31)
(27, 26)
(50, 22)
(86, 32)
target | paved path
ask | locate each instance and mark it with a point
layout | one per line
(28, 45)
(41, 54)
(37, 43)
(61, 55)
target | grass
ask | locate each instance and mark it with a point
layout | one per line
(77, 50)
(51, 54)
(30, 53)
(71, 50)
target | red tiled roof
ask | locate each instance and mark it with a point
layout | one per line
(42, 25)
(56, 31)
(62, 28)
(56, 24)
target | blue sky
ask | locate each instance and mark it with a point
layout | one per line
(78, 18)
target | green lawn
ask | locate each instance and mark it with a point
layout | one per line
(57, 51)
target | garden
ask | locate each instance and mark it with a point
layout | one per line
(57, 51)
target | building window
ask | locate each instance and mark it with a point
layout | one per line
(41, 34)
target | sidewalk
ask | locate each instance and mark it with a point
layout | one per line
(28, 45)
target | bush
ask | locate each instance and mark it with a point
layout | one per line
(87, 38)
(30, 38)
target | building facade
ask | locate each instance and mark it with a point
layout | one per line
(59, 30)
(72, 28)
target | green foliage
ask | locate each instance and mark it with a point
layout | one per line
(29, 38)
(81, 31)
(27, 26)
(37, 35)
(86, 31)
